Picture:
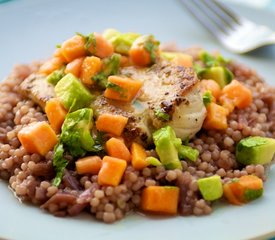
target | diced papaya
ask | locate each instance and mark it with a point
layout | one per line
(240, 95)
(74, 66)
(116, 148)
(111, 171)
(89, 68)
(111, 123)
(216, 117)
(183, 60)
(56, 114)
(122, 89)
(243, 189)
(73, 48)
(160, 199)
(38, 137)
(212, 86)
(58, 53)
(51, 65)
(102, 47)
(138, 156)
(90, 164)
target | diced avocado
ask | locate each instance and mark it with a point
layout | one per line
(153, 161)
(211, 187)
(122, 42)
(110, 33)
(72, 93)
(255, 150)
(252, 194)
(188, 152)
(219, 74)
(167, 144)
(55, 76)
(75, 134)
(169, 56)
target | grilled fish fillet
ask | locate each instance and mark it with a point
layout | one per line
(37, 88)
(171, 89)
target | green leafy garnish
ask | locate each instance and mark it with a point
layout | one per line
(99, 143)
(76, 139)
(75, 134)
(198, 69)
(160, 114)
(115, 87)
(90, 40)
(58, 45)
(55, 76)
(212, 61)
(110, 67)
(207, 98)
(59, 163)
(151, 46)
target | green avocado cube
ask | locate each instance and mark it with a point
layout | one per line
(219, 74)
(76, 133)
(72, 93)
(122, 42)
(255, 150)
(166, 147)
(211, 187)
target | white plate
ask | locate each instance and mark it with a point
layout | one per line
(30, 30)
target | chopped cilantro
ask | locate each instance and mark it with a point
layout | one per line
(56, 76)
(211, 60)
(115, 87)
(160, 114)
(151, 46)
(59, 163)
(110, 67)
(90, 40)
(207, 98)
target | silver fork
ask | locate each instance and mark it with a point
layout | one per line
(238, 34)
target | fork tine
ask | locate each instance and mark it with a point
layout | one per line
(204, 19)
(207, 9)
(228, 17)
(225, 11)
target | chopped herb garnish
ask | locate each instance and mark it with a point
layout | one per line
(115, 87)
(75, 138)
(160, 114)
(58, 45)
(56, 76)
(151, 46)
(90, 40)
(100, 79)
(211, 60)
(110, 67)
(207, 98)
(59, 163)
(99, 142)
